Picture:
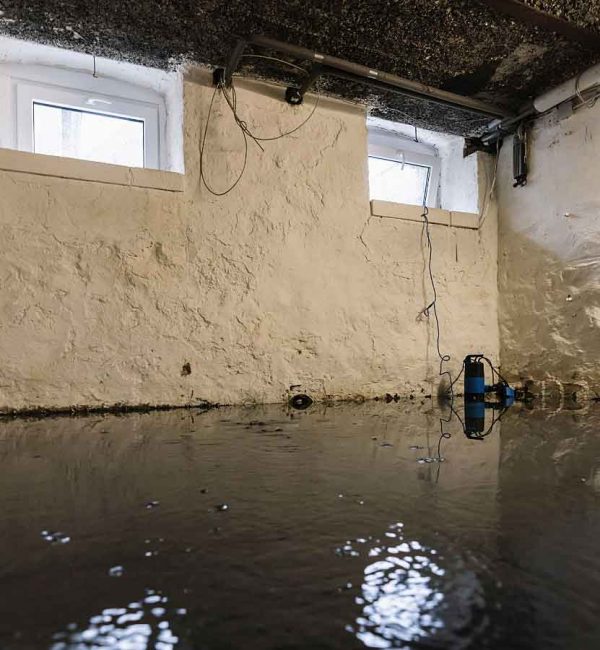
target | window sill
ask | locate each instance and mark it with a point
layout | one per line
(404, 212)
(85, 170)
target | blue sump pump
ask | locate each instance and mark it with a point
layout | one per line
(476, 391)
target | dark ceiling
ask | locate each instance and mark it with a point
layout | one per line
(464, 46)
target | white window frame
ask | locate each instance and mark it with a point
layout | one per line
(398, 148)
(25, 85)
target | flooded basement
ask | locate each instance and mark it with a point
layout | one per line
(343, 527)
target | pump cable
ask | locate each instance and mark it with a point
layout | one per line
(431, 308)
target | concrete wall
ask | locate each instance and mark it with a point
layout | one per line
(549, 274)
(108, 290)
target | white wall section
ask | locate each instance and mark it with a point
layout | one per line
(549, 272)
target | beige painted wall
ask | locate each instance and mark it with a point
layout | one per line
(107, 291)
(549, 274)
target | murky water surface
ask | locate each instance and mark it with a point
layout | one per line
(329, 528)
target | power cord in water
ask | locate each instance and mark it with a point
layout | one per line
(432, 306)
(231, 100)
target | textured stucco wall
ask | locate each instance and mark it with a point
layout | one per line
(549, 260)
(108, 291)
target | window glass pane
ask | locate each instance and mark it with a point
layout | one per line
(390, 180)
(59, 131)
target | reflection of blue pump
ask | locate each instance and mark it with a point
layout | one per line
(475, 392)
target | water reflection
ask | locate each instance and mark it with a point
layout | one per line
(500, 552)
(406, 592)
(138, 626)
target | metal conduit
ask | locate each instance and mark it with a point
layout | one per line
(332, 64)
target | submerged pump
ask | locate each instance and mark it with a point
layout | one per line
(475, 392)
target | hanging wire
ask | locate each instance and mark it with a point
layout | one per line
(295, 67)
(488, 197)
(444, 358)
(432, 306)
(230, 97)
(275, 60)
(202, 150)
(590, 103)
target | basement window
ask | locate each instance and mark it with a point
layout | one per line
(76, 115)
(402, 170)
(73, 133)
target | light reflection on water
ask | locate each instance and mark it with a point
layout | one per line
(498, 548)
(404, 592)
(138, 626)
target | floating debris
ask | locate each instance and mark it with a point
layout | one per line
(430, 459)
(386, 444)
(415, 447)
(116, 571)
(221, 507)
(55, 537)
(152, 504)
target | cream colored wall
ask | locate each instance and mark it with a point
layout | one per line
(549, 274)
(107, 290)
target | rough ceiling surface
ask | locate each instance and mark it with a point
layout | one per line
(458, 45)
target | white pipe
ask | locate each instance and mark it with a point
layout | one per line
(569, 89)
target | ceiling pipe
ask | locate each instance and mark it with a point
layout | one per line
(568, 90)
(577, 87)
(384, 80)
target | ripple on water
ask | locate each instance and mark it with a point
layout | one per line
(409, 593)
(132, 627)
(55, 537)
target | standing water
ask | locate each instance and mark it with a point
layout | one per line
(354, 526)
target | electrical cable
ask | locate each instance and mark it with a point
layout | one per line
(314, 108)
(231, 100)
(495, 421)
(275, 60)
(589, 103)
(458, 376)
(444, 358)
(432, 306)
(202, 149)
(494, 370)
(488, 197)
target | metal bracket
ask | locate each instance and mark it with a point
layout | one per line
(295, 96)
(473, 145)
(223, 75)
